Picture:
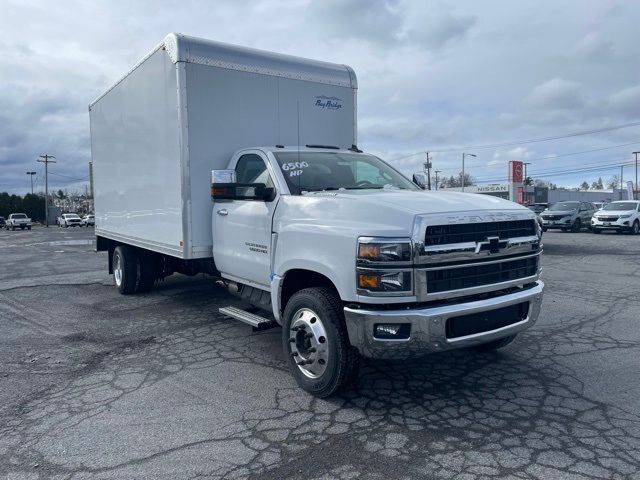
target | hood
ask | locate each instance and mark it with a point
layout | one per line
(388, 213)
(616, 212)
(559, 212)
(425, 202)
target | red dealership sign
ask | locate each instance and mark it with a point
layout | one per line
(515, 171)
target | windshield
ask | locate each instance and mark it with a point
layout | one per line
(564, 206)
(70, 215)
(621, 206)
(316, 171)
(19, 215)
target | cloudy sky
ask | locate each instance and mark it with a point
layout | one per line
(441, 76)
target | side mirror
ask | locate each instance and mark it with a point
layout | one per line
(242, 191)
(224, 187)
(420, 179)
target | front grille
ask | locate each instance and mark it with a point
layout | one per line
(608, 219)
(478, 232)
(475, 276)
(554, 217)
(486, 321)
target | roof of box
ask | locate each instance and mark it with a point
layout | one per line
(182, 48)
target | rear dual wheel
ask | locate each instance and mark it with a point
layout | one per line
(133, 270)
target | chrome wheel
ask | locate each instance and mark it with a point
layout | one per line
(309, 343)
(117, 269)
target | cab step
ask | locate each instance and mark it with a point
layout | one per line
(256, 321)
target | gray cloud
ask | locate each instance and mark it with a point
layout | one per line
(432, 75)
(557, 94)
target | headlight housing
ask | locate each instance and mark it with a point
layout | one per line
(384, 267)
(626, 215)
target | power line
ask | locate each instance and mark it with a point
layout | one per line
(565, 172)
(525, 142)
(67, 176)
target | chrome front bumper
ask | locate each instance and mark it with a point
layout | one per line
(428, 325)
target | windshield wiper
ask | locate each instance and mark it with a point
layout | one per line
(377, 187)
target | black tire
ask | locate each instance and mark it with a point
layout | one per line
(125, 261)
(494, 345)
(563, 229)
(544, 229)
(577, 225)
(596, 230)
(147, 269)
(635, 229)
(28, 228)
(342, 360)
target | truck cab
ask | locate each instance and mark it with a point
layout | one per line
(405, 272)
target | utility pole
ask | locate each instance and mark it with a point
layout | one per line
(427, 167)
(91, 178)
(462, 179)
(621, 184)
(437, 172)
(635, 192)
(45, 159)
(31, 174)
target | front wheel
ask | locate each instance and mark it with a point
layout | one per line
(635, 229)
(596, 230)
(316, 343)
(576, 226)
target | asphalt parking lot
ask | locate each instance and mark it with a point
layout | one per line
(97, 385)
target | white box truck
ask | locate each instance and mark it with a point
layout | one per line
(243, 164)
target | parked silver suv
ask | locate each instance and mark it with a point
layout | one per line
(572, 215)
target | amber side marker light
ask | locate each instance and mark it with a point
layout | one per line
(368, 281)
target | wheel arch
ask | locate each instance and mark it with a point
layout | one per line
(293, 281)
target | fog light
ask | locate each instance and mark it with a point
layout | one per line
(398, 331)
(387, 329)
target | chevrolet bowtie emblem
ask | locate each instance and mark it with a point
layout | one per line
(492, 244)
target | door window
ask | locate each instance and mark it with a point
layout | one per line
(252, 169)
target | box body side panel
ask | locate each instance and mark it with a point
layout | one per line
(229, 110)
(136, 153)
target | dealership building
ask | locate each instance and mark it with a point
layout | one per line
(515, 190)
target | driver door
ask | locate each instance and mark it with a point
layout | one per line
(242, 228)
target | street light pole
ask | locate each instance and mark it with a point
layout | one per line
(437, 172)
(526, 196)
(31, 174)
(621, 174)
(45, 159)
(463, 155)
(636, 189)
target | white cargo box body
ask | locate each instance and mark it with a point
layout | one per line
(182, 112)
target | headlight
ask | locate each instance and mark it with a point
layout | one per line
(384, 267)
(626, 215)
(378, 250)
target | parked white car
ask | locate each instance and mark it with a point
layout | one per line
(18, 220)
(67, 220)
(621, 216)
(89, 220)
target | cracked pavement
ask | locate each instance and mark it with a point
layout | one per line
(97, 385)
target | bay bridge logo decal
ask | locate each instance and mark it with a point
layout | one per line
(331, 103)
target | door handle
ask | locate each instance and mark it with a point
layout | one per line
(223, 212)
